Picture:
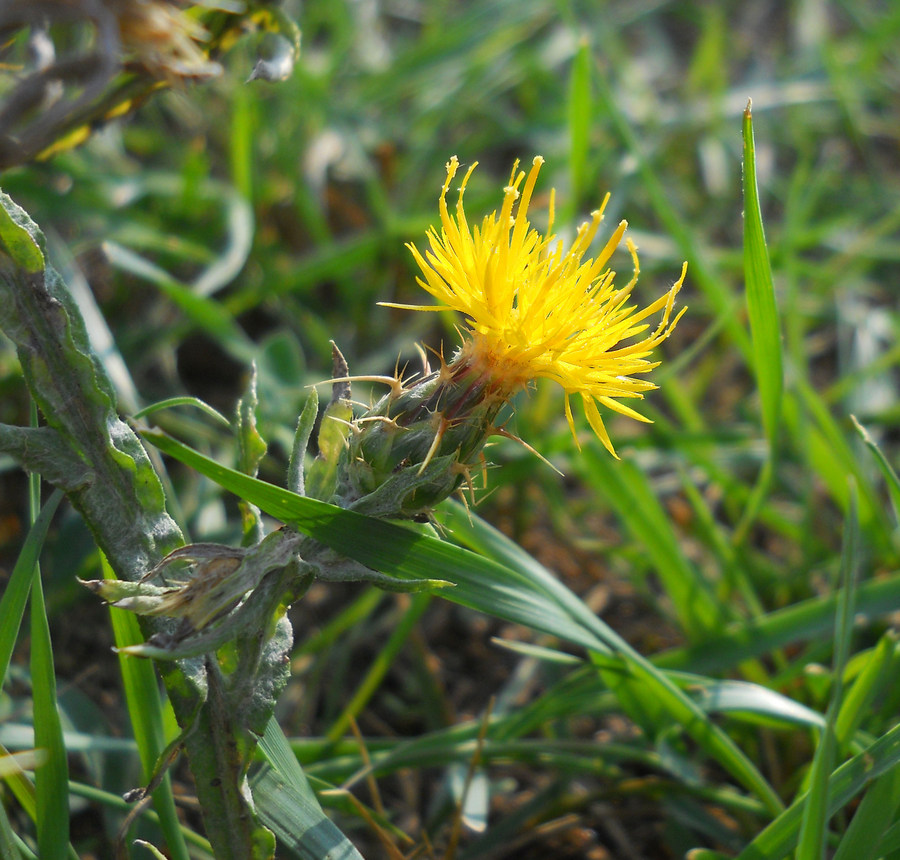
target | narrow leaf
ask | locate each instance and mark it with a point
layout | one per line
(8, 848)
(887, 470)
(392, 549)
(145, 711)
(625, 487)
(580, 119)
(51, 780)
(781, 836)
(764, 325)
(15, 595)
(872, 818)
(289, 806)
(867, 687)
(528, 595)
(815, 813)
(296, 480)
(184, 400)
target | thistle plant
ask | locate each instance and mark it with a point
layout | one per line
(532, 311)
(710, 664)
(215, 615)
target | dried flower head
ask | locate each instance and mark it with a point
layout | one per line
(535, 311)
(167, 41)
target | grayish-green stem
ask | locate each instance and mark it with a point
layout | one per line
(89, 452)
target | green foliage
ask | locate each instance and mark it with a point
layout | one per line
(762, 310)
(675, 665)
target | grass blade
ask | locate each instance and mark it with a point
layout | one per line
(639, 682)
(887, 470)
(626, 488)
(526, 593)
(765, 330)
(381, 664)
(8, 848)
(868, 685)
(288, 805)
(145, 710)
(51, 780)
(805, 620)
(872, 818)
(184, 400)
(580, 119)
(397, 551)
(15, 595)
(815, 816)
(781, 836)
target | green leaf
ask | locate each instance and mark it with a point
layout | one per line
(17, 781)
(741, 697)
(296, 481)
(141, 690)
(867, 687)
(887, 470)
(394, 550)
(51, 779)
(8, 847)
(765, 329)
(872, 818)
(184, 400)
(805, 620)
(251, 445)
(18, 586)
(781, 836)
(289, 806)
(815, 815)
(580, 121)
(334, 429)
(251, 450)
(19, 236)
(527, 594)
(627, 490)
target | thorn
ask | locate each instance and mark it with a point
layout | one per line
(382, 418)
(349, 424)
(470, 486)
(434, 445)
(395, 384)
(501, 431)
(426, 367)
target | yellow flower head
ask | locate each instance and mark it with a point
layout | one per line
(533, 311)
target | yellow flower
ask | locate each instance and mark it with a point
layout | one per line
(533, 311)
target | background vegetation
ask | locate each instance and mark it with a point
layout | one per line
(230, 221)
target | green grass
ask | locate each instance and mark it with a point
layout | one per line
(651, 655)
